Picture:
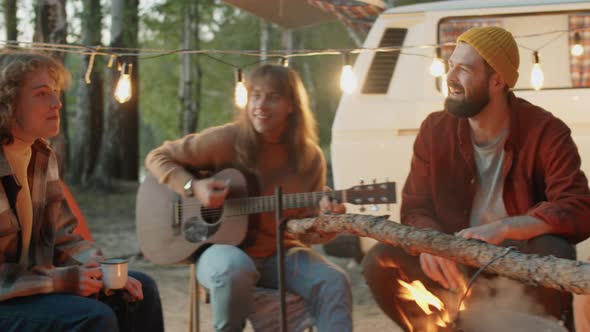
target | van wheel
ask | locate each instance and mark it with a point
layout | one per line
(345, 246)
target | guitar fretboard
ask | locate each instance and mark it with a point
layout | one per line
(251, 205)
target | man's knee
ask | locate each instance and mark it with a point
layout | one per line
(382, 257)
(546, 245)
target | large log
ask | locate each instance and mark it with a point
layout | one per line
(547, 271)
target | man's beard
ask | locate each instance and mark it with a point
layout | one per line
(469, 106)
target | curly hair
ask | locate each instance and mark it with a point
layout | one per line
(14, 67)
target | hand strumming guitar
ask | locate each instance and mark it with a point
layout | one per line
(210, 192)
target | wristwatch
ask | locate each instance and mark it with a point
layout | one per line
(188, 188)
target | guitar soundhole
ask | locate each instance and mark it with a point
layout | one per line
(211, 216)
(197, 231)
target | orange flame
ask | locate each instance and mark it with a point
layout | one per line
(424, 299)
(416, 291)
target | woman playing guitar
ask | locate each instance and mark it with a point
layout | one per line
(275, 139)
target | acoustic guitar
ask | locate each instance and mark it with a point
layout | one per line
(171, 228)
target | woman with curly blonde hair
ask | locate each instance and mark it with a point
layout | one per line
(46, 272)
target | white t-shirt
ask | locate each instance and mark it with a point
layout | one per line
(488, 204)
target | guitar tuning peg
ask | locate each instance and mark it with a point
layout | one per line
(362, 208)
(374, 181)
(362, 182)
(374, 208)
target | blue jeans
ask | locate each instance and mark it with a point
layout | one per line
(69, 312)
(232, 276)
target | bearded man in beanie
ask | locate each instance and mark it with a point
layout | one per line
(492, 167)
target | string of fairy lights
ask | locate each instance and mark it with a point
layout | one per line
(348, 79)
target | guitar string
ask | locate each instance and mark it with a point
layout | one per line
(209, 212)
(264, 198)
(262, 203)
(286, 197)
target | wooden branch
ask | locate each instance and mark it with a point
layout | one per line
(547, 271)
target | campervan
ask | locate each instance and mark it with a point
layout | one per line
(375, 127)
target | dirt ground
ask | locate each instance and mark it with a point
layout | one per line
(111, 218)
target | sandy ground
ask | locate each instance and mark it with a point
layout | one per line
(112, 223)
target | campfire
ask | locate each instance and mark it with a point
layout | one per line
(430, 304)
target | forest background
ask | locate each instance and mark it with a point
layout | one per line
(103, 141)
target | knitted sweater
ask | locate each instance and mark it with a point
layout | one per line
(214, 149)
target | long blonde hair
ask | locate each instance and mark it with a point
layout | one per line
(301, 133)
(14, 67)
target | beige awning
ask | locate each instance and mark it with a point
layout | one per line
(291, 14)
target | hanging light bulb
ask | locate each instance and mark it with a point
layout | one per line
(284, 61)
(444, 86)
(577, 48)
(123, 88)
(437, 67)
(537, 76)
(240, 93)
(348, 82)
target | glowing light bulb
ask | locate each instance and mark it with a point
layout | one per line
(348, 82)
(241, 95)
(123, 88)
(437, 67)
(537, 76)
(284, 61)
(444, 86)
(577, 48)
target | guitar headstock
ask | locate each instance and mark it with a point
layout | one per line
(375, 193)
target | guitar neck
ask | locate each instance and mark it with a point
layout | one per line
(252, 205)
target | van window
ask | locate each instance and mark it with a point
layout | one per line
(383, 65)
(580, 65)
(551, 34)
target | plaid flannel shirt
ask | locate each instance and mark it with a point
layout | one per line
(55, 253)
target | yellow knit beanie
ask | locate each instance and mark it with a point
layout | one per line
(498, 48)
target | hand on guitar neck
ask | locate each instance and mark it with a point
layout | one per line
(211, 192)
(329, 205)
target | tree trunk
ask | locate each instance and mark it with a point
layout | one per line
(547, 271)
(188, 105)
(51, 27)
(288, 40)
(9, 7)
(264, 38)
(119, 156)
(89, 119)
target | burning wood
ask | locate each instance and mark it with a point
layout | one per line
(547, 271)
